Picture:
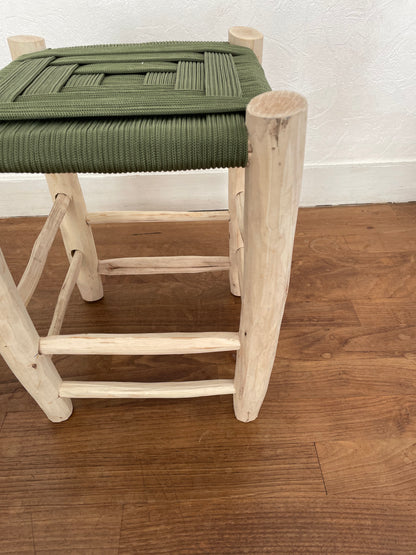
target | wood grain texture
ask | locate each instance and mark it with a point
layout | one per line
(24, 44)
(130, 216)
(139, 471)
(41, 247)
(16, 534)
(405, 215)
(139, 344)
(19, 346)
(376, 242)
(395, 311)
(338, 223)
(236, 183)
(163, 265)
(77, 234)
(248, 37)
(96, 525)
(141, 390)
(328, 468)
(276, 125)
(325, 267)
(370, 468)
(65, 293)
(253, 39)
(317, 420)
(352, 343)
(270, 525)
(307, 379)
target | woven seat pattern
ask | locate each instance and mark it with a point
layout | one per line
(122, 108)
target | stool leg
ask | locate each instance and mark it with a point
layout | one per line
(276, 123)
(253, 39)
(77, 234)
(25, 44)
(235, 187)
(19, 346)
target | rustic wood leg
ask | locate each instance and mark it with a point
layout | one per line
(276, 123)
(235, 187)
(248, 37)
(19, 346)
(77, 234)
(25, 44)
(253, 39)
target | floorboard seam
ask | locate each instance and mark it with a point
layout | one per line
(320, 467)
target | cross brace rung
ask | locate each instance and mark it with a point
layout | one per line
(41, 248)
(132, 216)
(65, 293)
(161, 390)
(140, 343)
(163, 265)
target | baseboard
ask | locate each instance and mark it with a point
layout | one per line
(27, 195)
(359, 183)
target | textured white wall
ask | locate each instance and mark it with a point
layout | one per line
(354, 60)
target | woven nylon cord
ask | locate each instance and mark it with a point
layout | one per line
(123, 108)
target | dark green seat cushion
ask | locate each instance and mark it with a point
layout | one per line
(125, 108)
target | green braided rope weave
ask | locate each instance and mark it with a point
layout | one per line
(123, 108)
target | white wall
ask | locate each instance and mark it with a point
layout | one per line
(355, 61)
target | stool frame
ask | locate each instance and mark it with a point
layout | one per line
(263, 205)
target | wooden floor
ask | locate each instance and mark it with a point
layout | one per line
(329, 466)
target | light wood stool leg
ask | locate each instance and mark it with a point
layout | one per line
(248, 37)
(19, 346)
(25, 44)
(253, 39)
(76, 233)
(235, 187)
(276, 123)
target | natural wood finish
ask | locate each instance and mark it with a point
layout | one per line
(16, 535)
(127, 216)
(77, 234)
(276, 123)
(370, 468)
(75, 231)
(163, 265)
(259, 487)
(249, 37)
(19, 342)
(164, 390)
(71, 529)
(307, 379)
(391, 308)
(41, 248)
(239, 202)
(240, 268)
(144, 459)
(65, 293)
(235, 189)
(270, 524)
(25, 44)
(356, 343)
(253, 39)
(140, 343)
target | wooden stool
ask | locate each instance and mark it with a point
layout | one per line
(263, 203)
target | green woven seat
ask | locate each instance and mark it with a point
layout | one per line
(124, 108)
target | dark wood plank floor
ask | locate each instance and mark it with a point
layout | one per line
(329, 466)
